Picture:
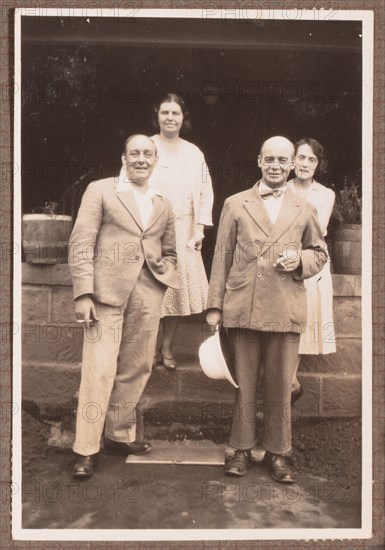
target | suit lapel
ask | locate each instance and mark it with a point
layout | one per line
(257, 210)
(128, 200)
(157, 210)
(290, 210)
(255, 207)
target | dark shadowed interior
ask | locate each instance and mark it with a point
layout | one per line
(88, 83)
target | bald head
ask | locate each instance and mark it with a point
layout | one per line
(276, 160)
(279, 141)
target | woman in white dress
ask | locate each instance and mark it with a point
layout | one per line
(181, 175)
(319, 337)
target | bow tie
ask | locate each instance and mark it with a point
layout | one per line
(276, 193)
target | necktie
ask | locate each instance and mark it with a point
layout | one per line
(276, 193)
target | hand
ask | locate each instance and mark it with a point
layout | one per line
(213, 318)
(85, 311)
(289, 260)
(196, 241)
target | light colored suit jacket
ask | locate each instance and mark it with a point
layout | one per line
(108, 245)
(244, 284)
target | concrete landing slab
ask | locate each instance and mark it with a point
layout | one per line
(201, 452)
(177, 452)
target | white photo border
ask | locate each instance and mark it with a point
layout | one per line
(366, 16)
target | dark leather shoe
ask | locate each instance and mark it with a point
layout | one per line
(296, 394)
(239, 463)
(85, 465)
(119, 447)
(279, 468)
(169, 363)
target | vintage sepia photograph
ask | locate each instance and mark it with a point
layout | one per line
(192, 332)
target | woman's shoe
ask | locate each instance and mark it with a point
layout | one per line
(169, 363)
(157, 359)
(296, 394)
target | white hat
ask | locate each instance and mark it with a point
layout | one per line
(212, 355)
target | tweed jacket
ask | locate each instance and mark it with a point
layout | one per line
(108, 245)
(244, 284)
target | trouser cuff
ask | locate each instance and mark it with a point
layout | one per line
(243, 446)
(275, 451)
(85, 451)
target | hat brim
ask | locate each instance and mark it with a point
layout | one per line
(215, 358)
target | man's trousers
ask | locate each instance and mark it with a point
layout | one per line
(118, 351)
(278, 352)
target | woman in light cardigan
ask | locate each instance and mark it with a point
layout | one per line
(181, 175)
(319, 337)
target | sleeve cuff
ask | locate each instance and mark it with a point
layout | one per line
(297, 273)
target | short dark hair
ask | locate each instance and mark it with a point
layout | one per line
(134, 136)
(317, 149)
(168, 98)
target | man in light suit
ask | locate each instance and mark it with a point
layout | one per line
(122, 258)
(268, 241)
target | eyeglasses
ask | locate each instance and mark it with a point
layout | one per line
(312, 161)
(270, 162)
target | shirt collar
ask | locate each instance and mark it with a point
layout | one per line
(124, 184)
(262, 186)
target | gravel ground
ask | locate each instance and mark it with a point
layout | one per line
(327, 459)
(328, 448)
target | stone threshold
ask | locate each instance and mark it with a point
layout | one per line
(190, 452)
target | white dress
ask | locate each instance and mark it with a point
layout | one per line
(175, 175)
(319, 336)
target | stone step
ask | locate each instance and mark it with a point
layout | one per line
(187, 394)
(332, 383)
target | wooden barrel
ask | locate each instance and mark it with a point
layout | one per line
(347, 256)
(45, 238)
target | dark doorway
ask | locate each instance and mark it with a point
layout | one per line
(88, 83)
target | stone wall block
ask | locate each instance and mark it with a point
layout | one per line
(309, 404)
(162, 385)
(52, 342)
(347, 359)
(44, 274)
(195, 385)
(347, 316)
(346, 285)
(35, 304)
(50, 384)
(62, 305)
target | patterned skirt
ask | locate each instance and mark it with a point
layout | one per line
(191, 296)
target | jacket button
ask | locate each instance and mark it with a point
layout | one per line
(259, 274)
(287, 241)
(136, 257)
(283, 276)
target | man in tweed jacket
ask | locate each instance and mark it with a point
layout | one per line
(268, 241)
